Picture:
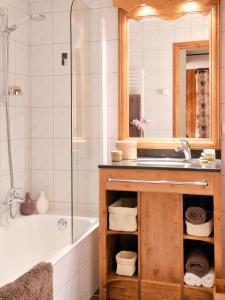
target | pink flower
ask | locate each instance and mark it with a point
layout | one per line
(140, 124)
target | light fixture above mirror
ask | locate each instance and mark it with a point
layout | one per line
(163, 8)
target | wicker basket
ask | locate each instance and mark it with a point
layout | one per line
(128, 148)
(201, 230)
(219, 289)
(123, 215)
(126, 263)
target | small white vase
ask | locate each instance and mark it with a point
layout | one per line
(42, 204)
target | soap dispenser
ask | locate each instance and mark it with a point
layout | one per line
(42, 204)
(28, 206)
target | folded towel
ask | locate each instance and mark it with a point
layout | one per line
(197, 262)
(37, 284)
(209, 279)
(196, 215)
(192, 279)
(202, 230)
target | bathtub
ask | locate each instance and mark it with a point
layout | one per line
(29, 240)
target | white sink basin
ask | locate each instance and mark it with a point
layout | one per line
(170, 162)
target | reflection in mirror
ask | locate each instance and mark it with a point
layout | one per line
(168, 94)
(191, 90)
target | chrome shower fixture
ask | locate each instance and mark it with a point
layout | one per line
(36, 18)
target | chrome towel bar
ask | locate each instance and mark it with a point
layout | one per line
(188, 183)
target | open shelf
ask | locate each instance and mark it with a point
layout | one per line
(112, 277)
(111, 232)
(196, 238)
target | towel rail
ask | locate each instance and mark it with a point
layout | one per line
(187, 183)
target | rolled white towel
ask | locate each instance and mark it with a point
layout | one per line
(192, 279)
(209, 279)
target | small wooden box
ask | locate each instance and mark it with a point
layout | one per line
(219, 289)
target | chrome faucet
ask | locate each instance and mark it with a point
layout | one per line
(185, 148)
(13, 197)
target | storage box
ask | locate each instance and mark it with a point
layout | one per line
(123, 215)
(128, 148)
(201, 230)
(219, 289)
(126, 263)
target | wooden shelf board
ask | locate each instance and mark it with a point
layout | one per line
(111, 232)
(112, 277)
(199, 288)
(196, 238)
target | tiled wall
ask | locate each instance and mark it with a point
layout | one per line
(151, 61)
(94, 104)
(50, 102)
(19, 106)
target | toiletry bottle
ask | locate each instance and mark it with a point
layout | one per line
(42, 204)
(27, 207)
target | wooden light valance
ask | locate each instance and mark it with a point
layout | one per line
(164, 7)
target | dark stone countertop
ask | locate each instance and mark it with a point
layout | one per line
(193, 166)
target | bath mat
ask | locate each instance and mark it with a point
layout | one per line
(36, 284)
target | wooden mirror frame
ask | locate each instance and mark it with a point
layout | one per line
(214, 46)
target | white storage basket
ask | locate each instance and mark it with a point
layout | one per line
(200, 230)
(123, 215)
(126, 263)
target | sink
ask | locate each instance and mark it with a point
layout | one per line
(160, 159)
(170, 162)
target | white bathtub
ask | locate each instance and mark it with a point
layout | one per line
(29, 240)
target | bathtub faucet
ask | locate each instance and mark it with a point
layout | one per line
(13, 197)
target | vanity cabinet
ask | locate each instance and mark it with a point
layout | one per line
(160, 240)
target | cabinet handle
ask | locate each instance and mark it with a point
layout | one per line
(191, 183)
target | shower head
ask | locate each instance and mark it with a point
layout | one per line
(36, 18)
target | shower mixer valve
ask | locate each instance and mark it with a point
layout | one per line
(13, 196)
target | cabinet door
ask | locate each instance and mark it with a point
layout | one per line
(161, 246)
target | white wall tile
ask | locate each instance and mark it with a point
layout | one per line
(88, 93)
(60, 6)
(41, 60)
(61, 28)
(62, 186)
(41, 7)
(62, 122)
(42, 180)
(42, 154)
(90, 179)
(42, 91)
(89, 25)
(62, 154)
(110, 22)
(62, 90)
(22, 56)
(42, 123)
(42, 31)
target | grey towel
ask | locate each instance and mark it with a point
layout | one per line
(196, 215)
(36, 284)
(197, 262)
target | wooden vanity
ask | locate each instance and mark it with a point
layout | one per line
(160, 241)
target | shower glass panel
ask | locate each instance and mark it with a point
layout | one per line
(86, 48)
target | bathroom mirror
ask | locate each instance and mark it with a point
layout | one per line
(169, 76)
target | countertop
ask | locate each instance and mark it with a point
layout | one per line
(193, 166)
